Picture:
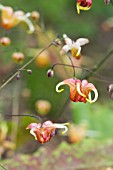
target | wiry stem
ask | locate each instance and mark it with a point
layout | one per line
(83, 68)
(29, 115)
(3, 167)
(97, 66)
(72, 65)
(25, 65)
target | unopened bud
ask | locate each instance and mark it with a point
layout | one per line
(5, 41)
(107, 2)
(29, 71)
(18, 57)
(57, 42)
(110, 90)
(35, 15)
(50, 73)
(18, 76)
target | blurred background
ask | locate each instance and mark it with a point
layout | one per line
(35, 93)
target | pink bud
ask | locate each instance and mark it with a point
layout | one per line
(107, 2)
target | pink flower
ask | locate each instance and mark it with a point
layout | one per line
(44, 132)
(80, 90)
(83, 5)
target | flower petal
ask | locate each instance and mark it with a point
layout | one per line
(58, 85)
(1, 6)
(82, 41)
(67, 40)
(78, 89)
(65, 49)
(32, 133)
(28, 22)
(95, 98)
(62, 126)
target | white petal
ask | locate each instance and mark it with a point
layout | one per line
(57, 87)
(96, 96)
(32, 133)
(67, 40)
(1, 7)
(62, 126)
(66, 48)
(82, 41)
(79, 91)
(28, 22)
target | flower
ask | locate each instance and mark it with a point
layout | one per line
(74, 47)
(18, 57)
(10, 18)
(80, 90)
(44, 132)
(83, 5)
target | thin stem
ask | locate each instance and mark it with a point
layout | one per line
(3, 167)
(34, 116)
(24, 66)
(83, 68)
(72, 65)
(97, 66)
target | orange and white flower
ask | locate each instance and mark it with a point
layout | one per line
(44, 132)
(80, 91)
(73, 46)
(10, 18)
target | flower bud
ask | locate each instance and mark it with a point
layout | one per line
(29, 71)
(5, 41)
(35, 15)
(57, 42)
(18, 77)
(42, 107)
(107, 2)
(110, 90)
(50, 73)
(18, 57)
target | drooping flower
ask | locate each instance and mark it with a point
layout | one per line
(44, 132)
(83, 5)
(73, 46)
(80, 90)
(10, 18)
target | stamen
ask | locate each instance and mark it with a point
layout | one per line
(58, 85)
(78, 90)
